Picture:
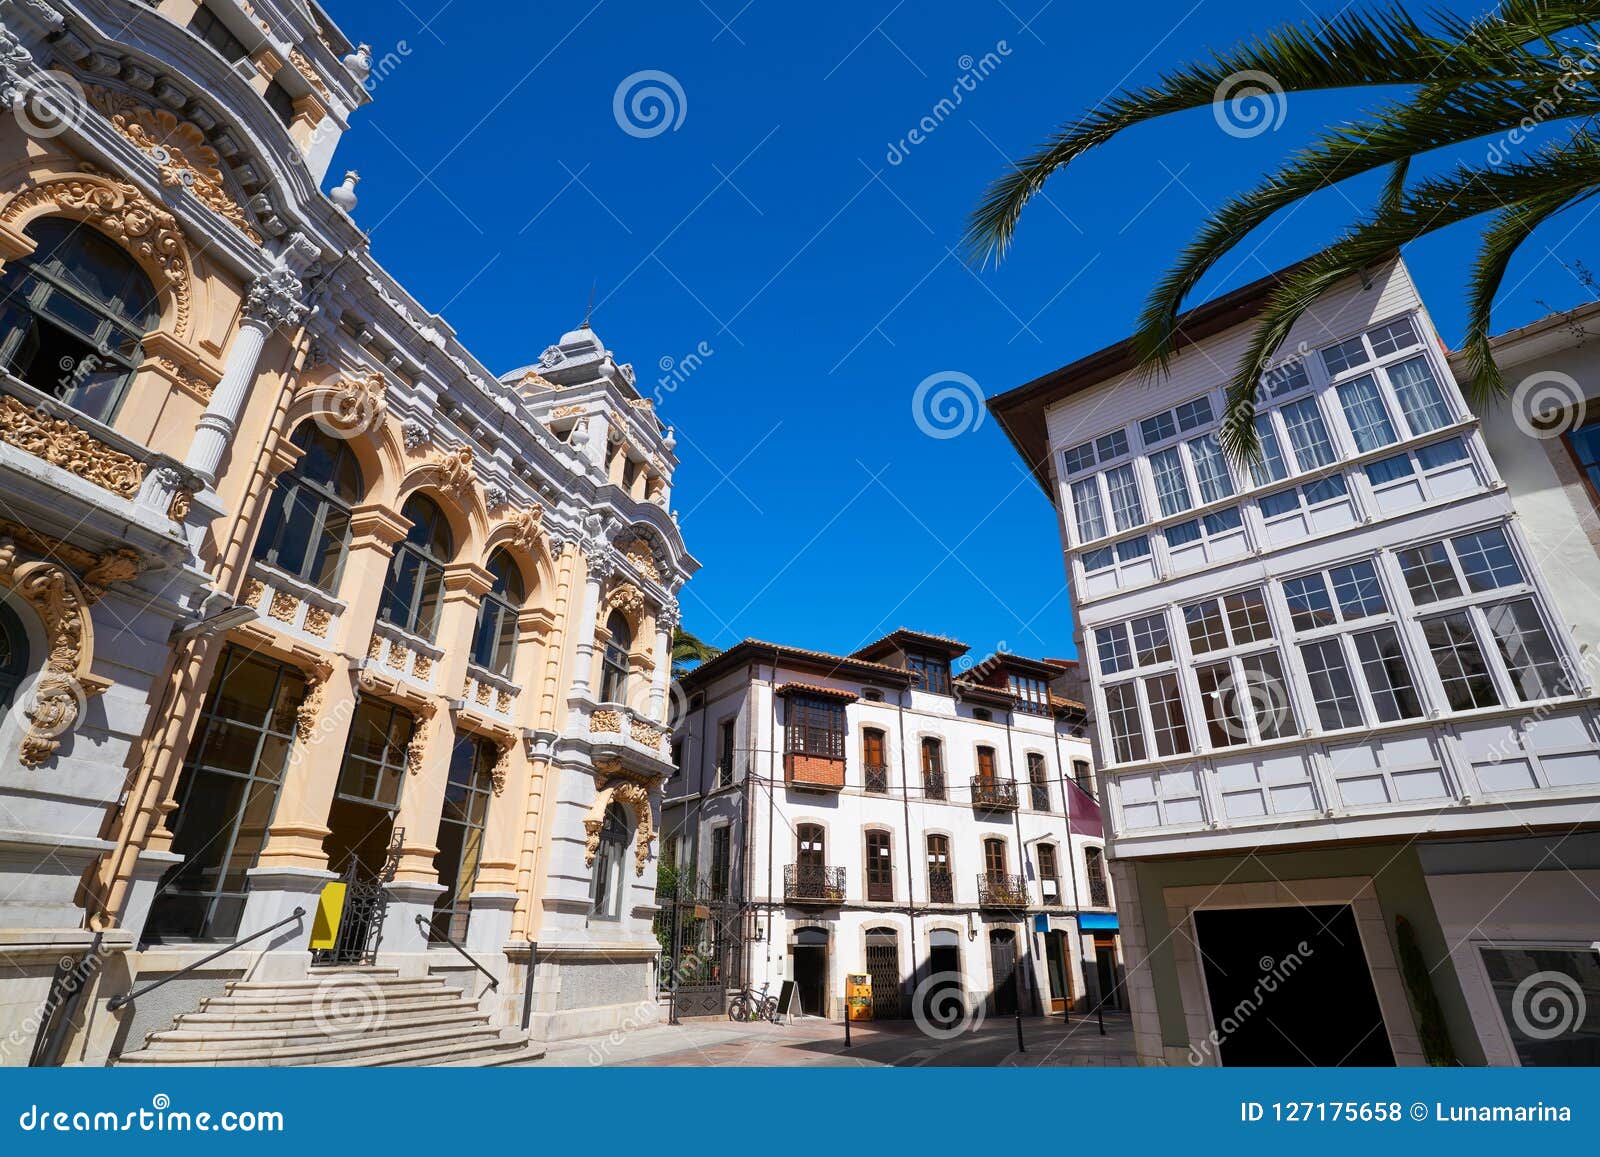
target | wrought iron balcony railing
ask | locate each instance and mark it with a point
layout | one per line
(994, 793)
(999, 890)
(941, 886)
(877, 778)
(813, 884)
(933, 784)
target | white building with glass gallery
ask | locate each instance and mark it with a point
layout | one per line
(1331, 694)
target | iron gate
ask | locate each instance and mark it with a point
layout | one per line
(883, 966)
(701, 938)
(365, 901)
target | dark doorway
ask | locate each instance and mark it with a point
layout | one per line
(1105, 968)
(1058, 964)
(1003, 962)
(1290, 986)
(811, 970)
(883, 965)
(944, 975)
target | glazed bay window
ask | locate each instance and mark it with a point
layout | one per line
(929, 673)
(1122, 492)
(1307, 434)
(1212, 538)
(1387, 675)
(1245, 698)
(1087, 510)
(1355, 594)
(1103, 450)
(1172, 488)
(1032, 695)
(1295, 514)
(1365, 413)
(1126, 564)
(1481, 569)
(1126, 725)
(1427, 473)
(815, 726)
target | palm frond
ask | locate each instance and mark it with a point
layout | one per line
(1348, 51)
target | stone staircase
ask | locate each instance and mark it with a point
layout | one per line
(337, 1017)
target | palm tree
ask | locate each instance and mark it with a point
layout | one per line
(689, 649)
(1527, 62)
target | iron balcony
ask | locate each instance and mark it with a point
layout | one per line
(994, 794)
(999, 890)
(813, 884)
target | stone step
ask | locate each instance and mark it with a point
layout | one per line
(366, 1049)
(300, 1017)
(269, 1000)
(250, 1033)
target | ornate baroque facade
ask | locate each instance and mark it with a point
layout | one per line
(292, 588)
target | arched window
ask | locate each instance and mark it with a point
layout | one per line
(75, 311)
(415, 588)
(495, 642)
(13, 655)
(614, 666)
(606, 893)
(307, 528)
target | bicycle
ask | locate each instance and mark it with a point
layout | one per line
(753, 1006)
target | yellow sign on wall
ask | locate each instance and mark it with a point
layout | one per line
(858, 996)
(330, 907)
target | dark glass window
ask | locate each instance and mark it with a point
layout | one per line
(994, 858)
(721, 862)
(614, 664)
(932, 769)
(74, 312)
(226, 796)
(605, 895)
(816, 727)
(208, 26)
(414, 591)
(374, 768)
(1094, 862)
(1033, 695)
(929, 674)
(725, 749)
(1584, 442)
(307, 528)
(1049, 874)
(494, 643)
(875, 765)
(941, 886)
(1038, 782)
(461, 826)
(880, 866)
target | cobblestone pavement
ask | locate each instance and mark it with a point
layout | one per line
(814, 1042)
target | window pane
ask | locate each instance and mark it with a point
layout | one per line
(1523, 977)
(1112, 445)
(1206, 632)
(1099, 559)
(1286, 377)
(1283, 502)
(1184, 533)
(1363, 408)
(1308, 435)
(1309, 605)
(1392, 336)
(1191, 415)
(1086, 508)
(1340, 357)
(1461, 665)
(1172, 489)
(1150, 641)
(1078, 458)
(1388, 678)
(1332, 689)
(1325, 489)
(1153, 430)
(1166, 715)
(1386, 470)
(1487, 561)
(1122, 713)
(1124, 491)
(1429, 574)
(1133, 548)
(1112, 644)
(1531, 659)
(1210, 471)
(1247, 617)
(1419, 396)
(1270, 466)
(1268, 693)
(1220, 700)
(1356, 587)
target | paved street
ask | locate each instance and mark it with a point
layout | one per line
(813, 1042)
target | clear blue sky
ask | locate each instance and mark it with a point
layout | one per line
(771, 226)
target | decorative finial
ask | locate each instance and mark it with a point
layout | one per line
(345, 195)
(589, 311)
(359, 62)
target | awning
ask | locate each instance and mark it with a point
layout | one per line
(1097, 921)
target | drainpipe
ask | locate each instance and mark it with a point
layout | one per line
(1022, 849)
(905, 796)
(772, 795)
(1072, 855)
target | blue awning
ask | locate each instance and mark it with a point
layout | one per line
(1097, 921)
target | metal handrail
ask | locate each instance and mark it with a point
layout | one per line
(117, 1002)
(427, 926)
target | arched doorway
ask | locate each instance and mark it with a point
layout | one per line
(810, 951)
(944, 975)
(883, 966)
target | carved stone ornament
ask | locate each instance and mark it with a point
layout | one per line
(455, 472)
(126, 214)
(605, 723)
(414, 433)
(525, 528)
(638, 552)
(310, 709)
(62, 443)
(502, 768)
(358, 403)
(62, 603)
(635, 796)
(627, 598)
(274, 300)
(178, 148)
(305, 68)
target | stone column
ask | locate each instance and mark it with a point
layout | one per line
(273, 302)
(665, 622)
(600, 562)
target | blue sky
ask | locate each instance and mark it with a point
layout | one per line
(817, 275)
